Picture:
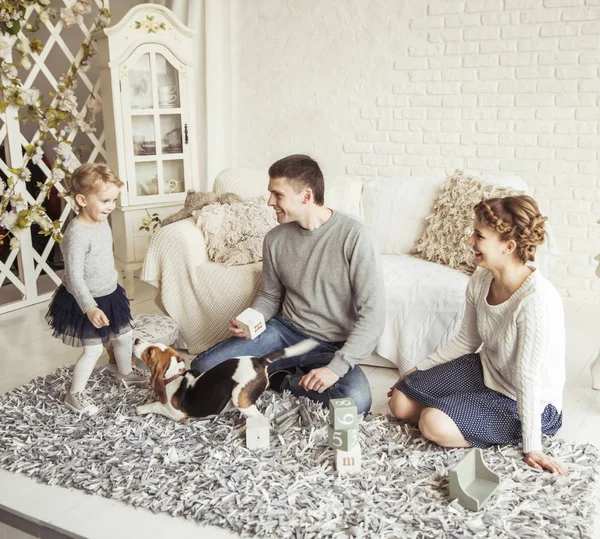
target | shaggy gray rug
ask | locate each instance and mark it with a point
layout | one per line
(203, 471)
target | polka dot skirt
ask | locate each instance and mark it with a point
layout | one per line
(483, 416)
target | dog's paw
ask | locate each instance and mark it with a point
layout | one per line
(141, 410)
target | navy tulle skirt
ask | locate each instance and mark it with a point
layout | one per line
(484, 417)
(73, 327)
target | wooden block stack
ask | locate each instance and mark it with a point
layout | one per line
(343, 435)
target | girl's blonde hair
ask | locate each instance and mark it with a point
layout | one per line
(87, 179)
(516, 218)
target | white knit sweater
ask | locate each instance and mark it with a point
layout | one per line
(523, 352)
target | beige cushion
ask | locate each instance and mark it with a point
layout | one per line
(234, 233)
(396, 209)
(344, 194)
(449, 225)
(246, 182)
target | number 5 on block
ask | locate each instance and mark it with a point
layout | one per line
(343, 439)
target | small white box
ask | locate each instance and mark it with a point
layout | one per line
(257, 432)
(252, 322)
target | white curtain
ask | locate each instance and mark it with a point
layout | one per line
(211, 20)
(192, 13)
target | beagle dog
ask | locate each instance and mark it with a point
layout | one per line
(237, 382)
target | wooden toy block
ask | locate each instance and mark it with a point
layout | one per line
(342, 414)
(257, 432)
(471, 481)
(348, 461)
(251, 322)
(345, 440)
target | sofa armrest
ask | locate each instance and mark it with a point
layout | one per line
(200, 295)
(181, 242)
(246, 182)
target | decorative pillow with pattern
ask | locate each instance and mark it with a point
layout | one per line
(157, 328)
(451, 221)
(234, 233)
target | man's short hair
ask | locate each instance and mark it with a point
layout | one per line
(302, 172)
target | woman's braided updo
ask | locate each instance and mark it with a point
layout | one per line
(516, 218)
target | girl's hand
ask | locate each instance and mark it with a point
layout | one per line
(97, 317)
(540, 461)
(389, 394)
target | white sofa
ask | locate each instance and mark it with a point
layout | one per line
(424, 300)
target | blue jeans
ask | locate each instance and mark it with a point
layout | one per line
(280, 333)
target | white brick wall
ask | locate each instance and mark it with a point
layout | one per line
(392, 87)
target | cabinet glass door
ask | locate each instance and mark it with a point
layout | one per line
(140, 83)
(158, 138)
(172, 148)
(167, 79)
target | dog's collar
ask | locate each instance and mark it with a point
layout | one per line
(174, 377)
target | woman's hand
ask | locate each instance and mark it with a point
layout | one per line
(540, 461)
(389, 394)
(97, 317)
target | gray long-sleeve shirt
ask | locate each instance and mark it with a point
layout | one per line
(328, 282)
(89, 262)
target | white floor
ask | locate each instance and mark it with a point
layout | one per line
(27, 350)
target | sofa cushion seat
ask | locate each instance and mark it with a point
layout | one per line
(424, 307)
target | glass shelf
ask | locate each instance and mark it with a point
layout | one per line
(173, 176)
(149, 184)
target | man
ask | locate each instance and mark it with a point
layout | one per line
(322, 279)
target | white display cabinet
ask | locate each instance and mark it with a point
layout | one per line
(147, 76)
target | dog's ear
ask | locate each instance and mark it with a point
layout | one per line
(157, 379)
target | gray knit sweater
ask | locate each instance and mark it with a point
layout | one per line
(328, 282)
(89, 263)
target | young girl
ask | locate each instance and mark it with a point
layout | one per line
(511, 391)
(90, 308)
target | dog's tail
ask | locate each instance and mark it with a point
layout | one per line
(295, 350)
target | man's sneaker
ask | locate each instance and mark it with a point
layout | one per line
(277, 378)
(81, 403)
(135, 377)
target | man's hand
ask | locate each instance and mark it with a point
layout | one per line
(97, 317)
(540, 461)
(389, 394)
(235, 330)
(319, 379)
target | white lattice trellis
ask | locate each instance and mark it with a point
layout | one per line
(24, 284)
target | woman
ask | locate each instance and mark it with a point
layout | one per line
(509, 392)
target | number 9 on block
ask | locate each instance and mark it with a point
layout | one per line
(342, 414)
